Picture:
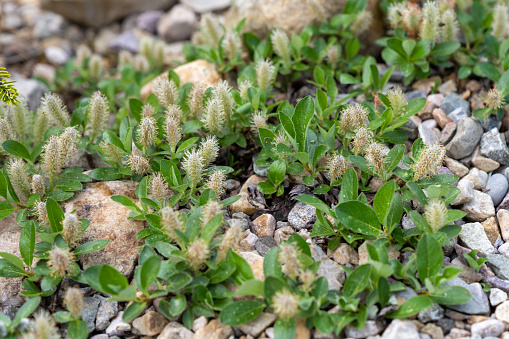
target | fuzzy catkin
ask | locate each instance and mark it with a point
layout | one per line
(450, 28)
(54, 109)
(232, 45)
(147, 132)
(214, 116)
(95, 66)
(231, 239)
(429, 28)
(158, 187)
(285, 304)
(243, 87)
(73, 300)
(223, 94)
(435, 214)
(39, 125)
(141, 63)
(170, 221)
(38, 185)
(210, 29)
(18, 116)
(6, 132)
(362, 22)
(166, 92)
(397, 99)
(353, 117)
(111, 152)
(376, 156)
(429, 162)
(289, 259)
(210, 210)
(500, 19)
(172, 132)
(362, 139)
(71, 230)
(43, 326)
(19, 178)
(98, 112)
(265, 74)
(336, 167)
(494, 99)
(217, 183)
(138, 163)
(193, 166)
(197, 254)
(209, 150)
(195, 100)
(281, 45)
(60, 261)
(258, 120)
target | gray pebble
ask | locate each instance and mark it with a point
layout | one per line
(264, 244)
(497, 188)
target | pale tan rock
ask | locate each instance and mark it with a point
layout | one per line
(248, 243)
(434, 331)
(256, 262)
(258, 325)
(293, 15)
(480, 207)
(456, 167)
(485, 164)
(214, 330)
(441, 118)
(503, 220)
(150, 324)
(243, 204)
(344, 254)
(192, 72)
(265, 224)
(10, 233)
(108, 220)
(176, 330)
(301, 331)
(283, 234)
(96, 13)
(502, 311)
(491, 229)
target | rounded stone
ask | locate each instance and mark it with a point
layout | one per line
(497, 188)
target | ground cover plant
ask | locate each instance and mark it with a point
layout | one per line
(342, 157)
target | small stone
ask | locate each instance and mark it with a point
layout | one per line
(456, 167)
(371, 328)
(117, 326)
(468, 134)
(499, 264)
(264, 244)
(199, 323)
(147, 21)
(200, 6)
(480, 207)
(436, 99)
(431, 314)
(466, 194)
(458, 114)
(30, 90)
(485, 164)
(243, 204)
(502, 312)
(248, 243)
(454, 101)
(427, 111)
(175, 330)
(258, 325)
(474, 237)
(407, 222)
(491, 327)
(448, 132)
(47, 25)
(106, 311)
(150, 324)
(441, 118)
(497, 296)
(429, 124)
(56, 55)
(45, 71)
(473, 85)
(126, 40)
(457, 333)
(504, 249)
(497, 188)
(401, 329)
(448, 87)
(494, 147)
(503, 221)
(301, 215)
(428, 136)
(375, 183)
(478, 304)
(265, 224)
(214, 330)
(491, 229)
(434, 331)
(478, 177)
(178, 24)
(344, 254)
(283, 234)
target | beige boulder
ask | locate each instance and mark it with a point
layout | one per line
(293, 15)
(97, 13)
(192, 72)
(108, 220)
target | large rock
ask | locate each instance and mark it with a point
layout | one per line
(467, 136)
(97, 13)
(9, 240)
(475, 238)
(108, 220)
(293, 15)
(192, 72)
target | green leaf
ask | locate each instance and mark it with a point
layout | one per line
(27, 243)
(487, 70)
(5, 209)
(55, 215)
(357, 281)
(58, 195)
(8, 270)
(223, 272)
(105, 174)
(388, 205)
(349, 186)
(359, 218)
(177, 281)
(394, 157)
(429, 257)
(271, 265)
(135, 106)
(123, 200)
(26, 310)
(111, 281)
(241, 312)
(243, 272)
(277, 172)
(148, 272)
(503, 84)
(17, 149)
(412, 306)
(69, 185)
(112, 138)
(133, 310)
(253, 287)
(417, 192)
(92, 246)
(445, 48)
(13, 259)
(304, 112)
(450, 295)
(77, 330)
(285, 329)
